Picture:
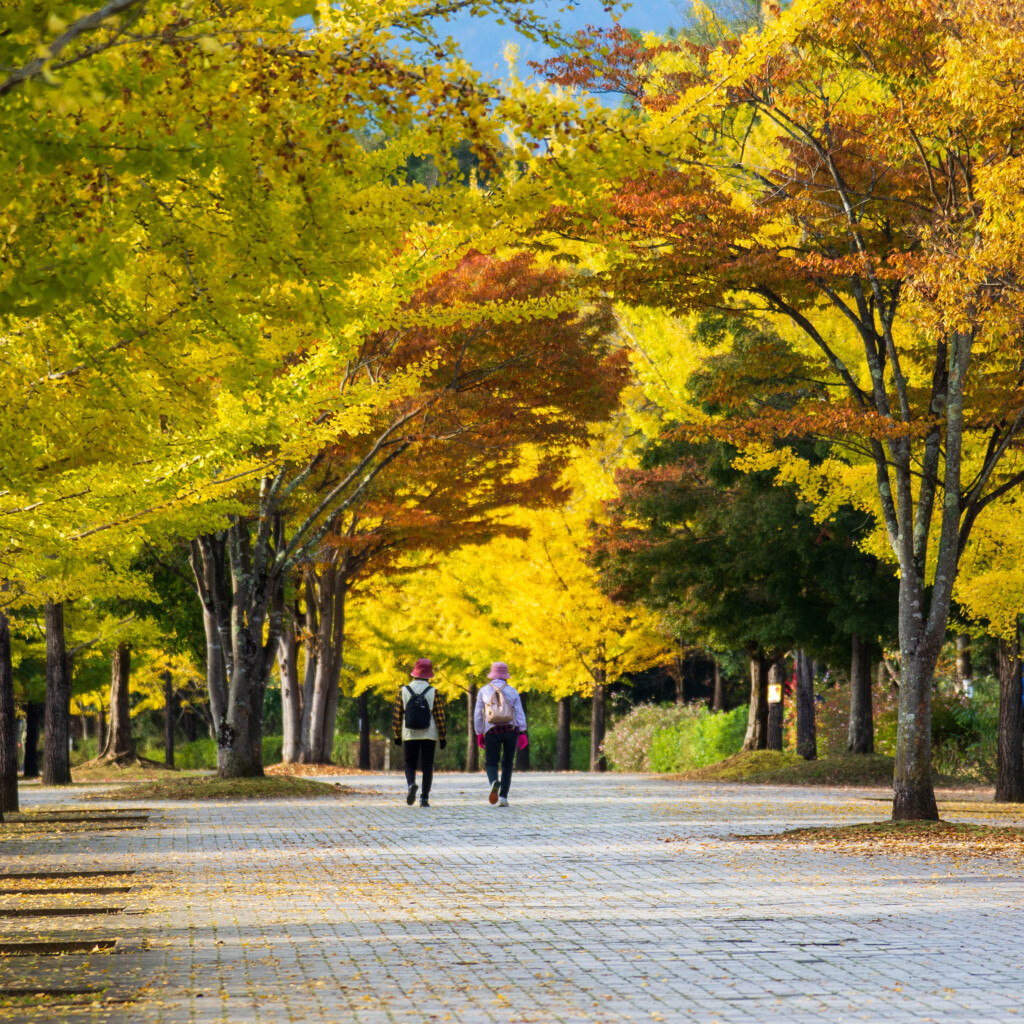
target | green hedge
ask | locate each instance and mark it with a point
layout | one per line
(202, 754)
(674, 737)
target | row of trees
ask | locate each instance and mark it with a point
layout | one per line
(299, 310)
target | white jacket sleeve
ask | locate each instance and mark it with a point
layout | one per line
(478, 713)
(519, 713)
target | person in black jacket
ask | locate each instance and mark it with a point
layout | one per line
(419, 724)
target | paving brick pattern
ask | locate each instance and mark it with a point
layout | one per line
(592, 900)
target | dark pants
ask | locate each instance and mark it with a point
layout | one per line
(503, 746)
(420, 752)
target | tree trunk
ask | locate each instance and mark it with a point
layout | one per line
(207, 557)
(56, 755)
(860, 735)
(806, 727)
(8, 725)
(1010, 735)
(757, 716)
(30, 769)
(119, 746)
(472, 750)
(101, 728)
(363, 705)
(563, 742)
(334, 693)
(312, 651)
(913, 792)
(597, 719)
(325, 603)
(523, 756)
(718, 697)
(964, 675)
(678, 664)
(170, 714)
(257, 613)
(774, 731)
(291, 707)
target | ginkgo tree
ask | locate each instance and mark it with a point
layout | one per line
(212, 271)
(832, 172)
(528, 598)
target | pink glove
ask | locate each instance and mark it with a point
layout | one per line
(524, 741)
(480, 741)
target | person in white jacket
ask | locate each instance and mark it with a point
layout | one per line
(500, 724)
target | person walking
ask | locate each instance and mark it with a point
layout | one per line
(419, 724)
(500, 724)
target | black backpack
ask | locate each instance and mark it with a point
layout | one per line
(417, 710)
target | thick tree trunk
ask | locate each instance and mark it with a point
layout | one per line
(1010, 735)
(964, 675)
(718, 697)
(119, 746)
(523, 756)
(170, 714)
(472, 750)
(597, 724)
(913, 792)
(363, 705)
(860, 735)
(257, 613)
(291, 706)
(806, 726)
(776, 710)
(757, 716)
(30, 768)
(563, 741)
(8, 725)
(56, 754)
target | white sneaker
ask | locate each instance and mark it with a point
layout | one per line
(492, 797)
(502, 801)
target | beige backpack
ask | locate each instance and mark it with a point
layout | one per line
(498, 710)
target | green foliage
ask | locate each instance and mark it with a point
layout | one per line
(700, 739)
(627, 744)
(200, 754)
(543, 744)
(674, 737)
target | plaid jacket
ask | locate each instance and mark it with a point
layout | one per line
(440, 718)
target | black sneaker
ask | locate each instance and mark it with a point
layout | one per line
(424, 802)
(410, 797)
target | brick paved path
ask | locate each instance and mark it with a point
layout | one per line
(569, 906)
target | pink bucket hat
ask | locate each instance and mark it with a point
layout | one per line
(499, 670)
(423, 669)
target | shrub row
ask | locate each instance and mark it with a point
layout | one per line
(674, 737)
